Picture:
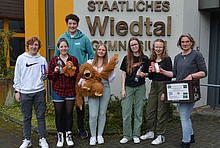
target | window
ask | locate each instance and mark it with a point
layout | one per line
(18, 47)
(16, 26)
(17, 41)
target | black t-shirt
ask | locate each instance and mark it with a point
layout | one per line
(129, 80)
(166, 64)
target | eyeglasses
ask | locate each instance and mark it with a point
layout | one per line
(133, 45)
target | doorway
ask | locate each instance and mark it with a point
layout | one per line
(214, 61)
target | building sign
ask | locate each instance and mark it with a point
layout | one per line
(114, 22)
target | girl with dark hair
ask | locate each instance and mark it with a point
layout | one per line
(134, 70)
(63, 92)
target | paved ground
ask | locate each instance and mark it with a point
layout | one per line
(206, 125)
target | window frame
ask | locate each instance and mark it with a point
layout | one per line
(19, 35)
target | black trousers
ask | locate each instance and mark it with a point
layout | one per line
(80, 116)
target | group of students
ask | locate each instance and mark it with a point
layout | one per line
(188, 65)
(74, 46)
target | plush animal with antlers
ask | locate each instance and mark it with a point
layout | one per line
(69, 69)
(93, 85)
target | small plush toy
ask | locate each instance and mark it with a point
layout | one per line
(69, 69)
(93, 85)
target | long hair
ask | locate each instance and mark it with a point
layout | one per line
(105, 58)
(153, 53)
(130, 56)
(189, 37)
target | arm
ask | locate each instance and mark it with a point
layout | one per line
(201, 66)
(17, 81)
(202, 69)
(145, 71)
(89, 49)
(196, 75)
(123, 76)
(166, 72)
(144, 74)
(111, 77)
(53, 70)
(17, 77)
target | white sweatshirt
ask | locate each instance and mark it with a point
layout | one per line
(27, 78)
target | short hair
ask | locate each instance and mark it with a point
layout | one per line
(189, 37)
(31, 41)
(72, 17)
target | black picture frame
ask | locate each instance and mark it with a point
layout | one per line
(184, 91)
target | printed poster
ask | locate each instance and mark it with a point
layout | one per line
(177, 91)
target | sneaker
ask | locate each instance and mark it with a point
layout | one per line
(185, 145)
(60, 139)
(83, 134)
(100, 139)
(69, 140)
(43, 143)
(160, 139)
(136, 140)
(148, 135)
(92, 141)
(124, 140)
(192, 140)
(26, 143)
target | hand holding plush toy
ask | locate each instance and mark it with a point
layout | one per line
(69, 69)
(92, 85)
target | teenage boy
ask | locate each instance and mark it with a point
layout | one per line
(30, 72)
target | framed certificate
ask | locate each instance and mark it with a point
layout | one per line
(182, 91)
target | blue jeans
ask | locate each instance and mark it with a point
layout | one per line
(37, 100)
(57, 98)
(185, 109)
(97, 111)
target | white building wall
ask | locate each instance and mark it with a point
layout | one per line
(185, 18)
